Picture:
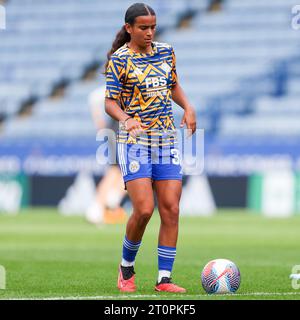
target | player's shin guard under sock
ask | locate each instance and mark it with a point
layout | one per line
(166, 257)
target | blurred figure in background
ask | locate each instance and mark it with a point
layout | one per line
(215, 5)
(110, 192)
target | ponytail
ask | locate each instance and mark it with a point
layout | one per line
(122, 37)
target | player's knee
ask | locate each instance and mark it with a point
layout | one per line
(170, 215)
(144, 214)
(173, 210)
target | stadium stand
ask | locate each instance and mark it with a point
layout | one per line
(231, 59)
(240, 66)
(54, 43)
(50, 43)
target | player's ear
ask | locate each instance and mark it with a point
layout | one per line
(128, 28)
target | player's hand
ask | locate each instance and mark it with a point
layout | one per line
(134, 127)
(189, 119)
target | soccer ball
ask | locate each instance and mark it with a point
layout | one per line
(220, 276)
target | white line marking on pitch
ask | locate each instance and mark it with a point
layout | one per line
(161, 296)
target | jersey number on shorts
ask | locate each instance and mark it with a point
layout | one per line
(175, 159)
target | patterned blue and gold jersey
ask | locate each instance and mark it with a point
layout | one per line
(142, 84)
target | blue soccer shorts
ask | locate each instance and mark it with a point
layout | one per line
(141, 161)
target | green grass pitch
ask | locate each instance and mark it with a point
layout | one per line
(47, 255)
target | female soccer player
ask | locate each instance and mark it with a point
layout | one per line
(140, 82)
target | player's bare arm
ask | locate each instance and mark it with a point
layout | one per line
(189, 117)
(131, 125)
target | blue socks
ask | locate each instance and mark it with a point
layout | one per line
(130, 250)
(166, 257)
